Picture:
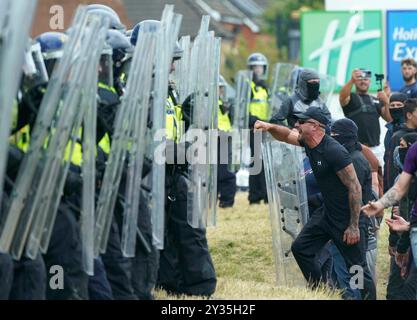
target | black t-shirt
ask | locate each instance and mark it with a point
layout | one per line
(327, 158)
(363, 172)
(366, 117)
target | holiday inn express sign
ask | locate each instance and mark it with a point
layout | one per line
(401, 42)
(335, 43)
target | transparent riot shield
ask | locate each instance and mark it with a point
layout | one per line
(213, 137)
(62, 140)
(327, 87)
(283, 84)
(240, 141)
(138, 95)
(205, 57)
(166, 38)
(88, 170)
(181, 75)
(19, 216)
(129, 129)
(288, 207)
(15, 23)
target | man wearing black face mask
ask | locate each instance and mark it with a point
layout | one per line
(306, 95)
(402, 282)
(409, 115)
(396, 107)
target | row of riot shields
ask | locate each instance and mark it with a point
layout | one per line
(129, 129)
(66, 121)
(144, 98)
(69, 100)
(15, 23)
(288, 205)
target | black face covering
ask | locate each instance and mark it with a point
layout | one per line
(348, 142)
(402, 153)
(313, 90)
(396, 114)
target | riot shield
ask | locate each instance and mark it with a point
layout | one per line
(138, 95)
(15, 23)
(202, 155)
(88, 170)
(240, 140)
(81, 99)
(213, 137)
(39, 185)
(284, 82)
(182, 72)
(18, 219)
(166, 38)
(327, 87)
(288, 206)
(129, 128)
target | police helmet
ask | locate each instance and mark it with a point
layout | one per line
(108, 12)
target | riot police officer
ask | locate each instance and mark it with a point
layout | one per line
(226, 180)
(258, 110)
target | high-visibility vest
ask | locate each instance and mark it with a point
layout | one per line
(223, 119)
(107, 87)
(21, 139)
(77, 153)
(104, 143)
(259, 104)
(173, 121)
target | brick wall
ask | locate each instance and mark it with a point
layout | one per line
(43, 16)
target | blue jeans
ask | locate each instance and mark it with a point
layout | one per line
(413, 242)
(341, 275)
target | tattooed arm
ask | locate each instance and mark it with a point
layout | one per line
(391, 197)
(348, 177)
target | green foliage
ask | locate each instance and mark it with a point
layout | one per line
(283, 15)
(235, 58)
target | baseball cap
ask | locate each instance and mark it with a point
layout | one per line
(314, 113)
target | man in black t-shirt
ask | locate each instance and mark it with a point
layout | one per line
(365, 110)
(342, 194)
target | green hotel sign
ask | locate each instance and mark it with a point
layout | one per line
(337, 42)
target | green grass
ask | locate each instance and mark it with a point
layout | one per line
(241, 249)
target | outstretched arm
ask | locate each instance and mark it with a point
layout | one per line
(280, 133)
(391, 197)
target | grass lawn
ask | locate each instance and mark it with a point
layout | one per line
(241, 249)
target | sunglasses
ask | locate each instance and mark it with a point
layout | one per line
(301, 121)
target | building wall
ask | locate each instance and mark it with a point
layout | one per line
(42, 17)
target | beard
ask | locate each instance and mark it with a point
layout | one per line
(406, 79)
(300, 136)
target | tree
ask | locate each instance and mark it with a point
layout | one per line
(235, 57)
(283, 15)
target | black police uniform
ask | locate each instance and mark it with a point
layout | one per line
(186, 266)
